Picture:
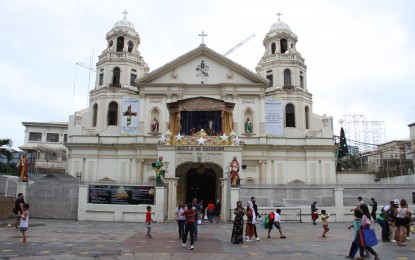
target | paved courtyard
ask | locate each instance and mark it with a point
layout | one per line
(69, 239)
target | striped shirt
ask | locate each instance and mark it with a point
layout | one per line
(190, 216)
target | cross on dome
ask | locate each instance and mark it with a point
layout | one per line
(203, 36)
(125, 14)
(278, 14)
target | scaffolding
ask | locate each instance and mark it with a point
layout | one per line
(362, 133)
(48, 159)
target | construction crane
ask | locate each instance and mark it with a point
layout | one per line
(239, 45)
(90, 70)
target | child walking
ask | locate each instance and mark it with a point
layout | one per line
(324, 218)
(276, 223)
(24, 222)
(148, 222)
(189, 225)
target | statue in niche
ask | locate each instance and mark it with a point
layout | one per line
(155, 126)
(234, 171)
(248, 126)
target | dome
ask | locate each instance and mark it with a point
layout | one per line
(124, 23)
(280, 26)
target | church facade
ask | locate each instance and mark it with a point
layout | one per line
(197, 112)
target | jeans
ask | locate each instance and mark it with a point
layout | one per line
(210, 215)
(189, 227)
(195, 229)
(181, 228)
(385, 228)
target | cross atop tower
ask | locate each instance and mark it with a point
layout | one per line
(125, 14)
(203, 36)
(278, 14)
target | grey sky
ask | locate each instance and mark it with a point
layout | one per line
(359, 53)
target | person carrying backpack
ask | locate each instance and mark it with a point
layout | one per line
(275, 219)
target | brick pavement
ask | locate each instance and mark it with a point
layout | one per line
(68, 239)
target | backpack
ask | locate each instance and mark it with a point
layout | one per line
(271, 217)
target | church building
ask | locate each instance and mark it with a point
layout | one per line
(197, 112)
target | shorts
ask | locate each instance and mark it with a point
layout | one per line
(401, 221)
(148, 225)
(23, 229)
(276, 224)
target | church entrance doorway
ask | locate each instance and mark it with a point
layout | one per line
(200, 180)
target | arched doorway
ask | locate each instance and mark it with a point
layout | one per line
(200, 180)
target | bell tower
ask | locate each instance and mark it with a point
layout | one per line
(120, 64)
(118, 67)
(281, 63)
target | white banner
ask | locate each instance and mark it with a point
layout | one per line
(274, 117)
(130, 113)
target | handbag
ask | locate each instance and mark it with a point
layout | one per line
(367, 237)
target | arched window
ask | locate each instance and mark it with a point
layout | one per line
(273, 48)
(113, 113)
(120, 43)
(116, 77)
(287, 77)
(94, 115)
(307, 117)
(283, 45)
(289, 115)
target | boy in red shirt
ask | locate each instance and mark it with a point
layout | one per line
(189, 225)
(148, 222)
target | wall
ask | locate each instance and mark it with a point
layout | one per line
(7, 204)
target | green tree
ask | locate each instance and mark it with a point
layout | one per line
(343, 149)
(5, 147)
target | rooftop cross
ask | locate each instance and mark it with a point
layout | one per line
(278, 14)
(125, 14)
(203, 36)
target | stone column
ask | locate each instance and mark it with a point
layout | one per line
(171, 197)
(82, 201)
(160, 204)
(21, 188)
(338, 204)
(140, 172)
(224, 185)
(235, 195)
(262, 164)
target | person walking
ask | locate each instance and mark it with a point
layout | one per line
(217, 211)
(324, 222)
(374, 205)
(250, 214)
(148, 222)
(277, 223)
(365, 225)
(18, 208)
(357, 223)
(24, 223)
(238, 224)
(180, 218)
(257, 216)
(189, 226)
(401, 221)
(210, 211)
(196, 207)
(314, 214)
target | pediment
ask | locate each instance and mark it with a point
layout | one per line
(200, 104)
(202, 66)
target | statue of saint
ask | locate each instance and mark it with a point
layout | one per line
(234, 171)
(248, 126)
(23, 167)
(155, 126)
(160, 171)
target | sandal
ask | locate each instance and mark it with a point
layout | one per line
(401, 245)
(283, 237)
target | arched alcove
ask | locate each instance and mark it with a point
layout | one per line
(120, 43)
(155, 120)
(248, 117)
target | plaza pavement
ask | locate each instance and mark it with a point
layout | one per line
(70, 239)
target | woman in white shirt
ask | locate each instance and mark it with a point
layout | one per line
(180, 218)
(401, 220)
